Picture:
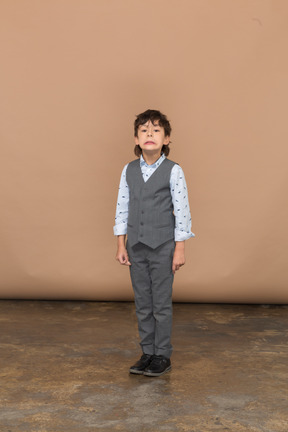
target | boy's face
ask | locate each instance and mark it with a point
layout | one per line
(151, 137)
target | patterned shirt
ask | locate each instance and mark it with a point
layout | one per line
(179, 196)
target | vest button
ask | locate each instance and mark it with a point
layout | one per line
(142, 211)
(141, 235)
(141, 223)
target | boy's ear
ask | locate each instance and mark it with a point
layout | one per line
(166, 140)
(136, 140)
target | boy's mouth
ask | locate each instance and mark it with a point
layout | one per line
(149, 142)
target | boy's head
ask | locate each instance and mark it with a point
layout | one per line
(156, 118)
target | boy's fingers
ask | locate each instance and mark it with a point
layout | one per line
(123, 260)
(127, 262)
(176, 267)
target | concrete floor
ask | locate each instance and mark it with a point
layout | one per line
(64, 367)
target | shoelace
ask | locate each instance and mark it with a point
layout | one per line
(145, 356)
(156, 360)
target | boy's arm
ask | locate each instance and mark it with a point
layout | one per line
(120, 227)
(122, 255)
(179, 256)
(179, 194)
(121, 216)
(180, 201)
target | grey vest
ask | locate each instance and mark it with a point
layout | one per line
(151, 220)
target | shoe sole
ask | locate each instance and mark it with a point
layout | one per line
(154, 374)
(135, 372)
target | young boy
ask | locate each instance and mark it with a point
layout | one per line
(153, 210)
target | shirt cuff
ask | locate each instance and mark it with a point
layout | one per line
(182, 235)
(120, 229)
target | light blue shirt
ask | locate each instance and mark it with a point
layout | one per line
(179, 196)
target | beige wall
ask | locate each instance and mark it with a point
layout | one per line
(73, 76)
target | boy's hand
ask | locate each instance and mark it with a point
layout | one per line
(122, 256)
(179, 256)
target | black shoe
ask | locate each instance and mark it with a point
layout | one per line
(158, 366)
(141, 365)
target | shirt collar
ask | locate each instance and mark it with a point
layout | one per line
(155, 165)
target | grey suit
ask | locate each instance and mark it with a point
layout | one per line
(150, 247)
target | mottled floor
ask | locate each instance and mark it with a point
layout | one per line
(64, 367)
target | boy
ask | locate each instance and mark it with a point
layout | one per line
(153, 209)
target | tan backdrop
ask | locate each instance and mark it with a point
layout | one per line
(74, 73)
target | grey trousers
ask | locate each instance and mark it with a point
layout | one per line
(152, 279)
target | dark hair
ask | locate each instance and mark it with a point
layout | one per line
(152, 115)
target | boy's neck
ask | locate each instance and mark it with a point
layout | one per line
(151, 158)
